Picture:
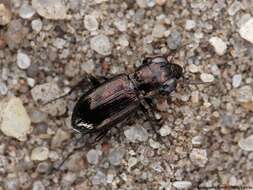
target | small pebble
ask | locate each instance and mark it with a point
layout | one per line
(145, 3)
(182, 184)
(245, 94)
(26, 11)
(132, 161)
(197, 140)
(134, 134)
(55, 10)
(215, 69)
(11, 183)
(90, 23)
(199, 157)
(165, 130)
(37, 25)
(59, 138)
(234, 8)
(101, 44)
(161, 2)
(195, 97)
(219, 45)
(116, 156)
(59, 43)
(5, 13)
(2, 42)
(123, 41)
(236, 81)
(154, 144)
(37, 116)
(190, 24)
(246, 30)
(31, 82)
(3, 89)
(40, 154)
(18, 127)
(93, 156)
(38, 185)
(15, 34)
(205, 77)
(193, 68)
(99, 178)
(174, 40)
(23, 60)
(158, 31)
(121, 24)
(247, 143)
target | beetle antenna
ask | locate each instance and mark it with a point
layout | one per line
(186, 81)
(170, 56)
(59, 97)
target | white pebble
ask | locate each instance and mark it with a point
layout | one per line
(154, 144)
(165, 130)
(90, 23)
(56, 9)
(14, 120)
(199, 157)
(121, 24)
(182, 184)
(219, 45)
(31, 82)
(26, 11)
(5, 13)
(101, 44)
(135, 134)
(132, 161)
(193, 68)
(23, 60)
(246, 30)
(197, 140)
(37, 25)
(234, 8)
(59, 43)
(3, 88)
(205, 77)
(190, 24)
(93, 156)
(247, 143)
(195, 97)
(158, 31)
(40, 153)
(236, 81)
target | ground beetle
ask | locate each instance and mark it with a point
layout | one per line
(112, 101)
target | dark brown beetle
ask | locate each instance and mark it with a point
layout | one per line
(113, 101)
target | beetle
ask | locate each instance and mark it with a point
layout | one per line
(109, 103)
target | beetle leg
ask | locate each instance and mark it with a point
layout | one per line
(101, 135)
(146, 105)
(93, 80)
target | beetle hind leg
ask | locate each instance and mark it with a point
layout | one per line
(82, 84)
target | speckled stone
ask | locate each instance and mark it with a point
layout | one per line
(246, 30)
(21, 126)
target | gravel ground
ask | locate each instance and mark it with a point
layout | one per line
(206, 130)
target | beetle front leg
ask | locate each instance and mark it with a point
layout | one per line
(146, 108)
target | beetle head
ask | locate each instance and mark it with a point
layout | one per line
(157, 73)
